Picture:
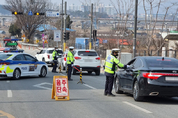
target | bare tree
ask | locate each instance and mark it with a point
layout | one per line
(152, 7)
(28, 23)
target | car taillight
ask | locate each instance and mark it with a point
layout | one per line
(77, 66)
(4, 63)
(157, 75)
(87, 51)
(98, 66)
(98, 58)
(64, 58)
(77, 57)
(48, 56)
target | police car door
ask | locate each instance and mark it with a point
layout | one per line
(21, 63)
(32, 64)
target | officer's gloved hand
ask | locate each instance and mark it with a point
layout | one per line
(72, 63)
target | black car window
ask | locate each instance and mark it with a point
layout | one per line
(163, 63)
(87, 53)
(51, 51)
(19, 57)
(29, 58)
(131, 62)
(137, 63)
(42, 51)
(59, 51)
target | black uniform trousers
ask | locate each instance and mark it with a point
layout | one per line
(109, 84)
(54, 65)
(69, 71)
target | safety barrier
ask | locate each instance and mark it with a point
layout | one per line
(80, 76)
(29, 46)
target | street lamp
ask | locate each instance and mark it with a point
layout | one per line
(135, 29)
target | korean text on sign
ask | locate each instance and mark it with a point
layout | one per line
(61, 87)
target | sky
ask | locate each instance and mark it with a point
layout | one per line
(105, 2)
(69, 2)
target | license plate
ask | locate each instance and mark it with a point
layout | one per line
(171, 79)
(87, 60)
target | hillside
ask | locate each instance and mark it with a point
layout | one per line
(4, 11)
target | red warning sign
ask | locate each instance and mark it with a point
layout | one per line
(60, 89)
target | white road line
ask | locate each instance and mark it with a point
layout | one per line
(8, 81)
(137, 107)
(89, 86)
(44, 83)
(9, 93)
(42, 87)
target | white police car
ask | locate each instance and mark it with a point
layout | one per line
(21, 64)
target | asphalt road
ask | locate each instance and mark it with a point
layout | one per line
(30, 97)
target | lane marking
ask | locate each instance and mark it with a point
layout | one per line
(8, 81)
(2, 113)
(89, 86)
(9, 93)
(137, 107)
(41, 85)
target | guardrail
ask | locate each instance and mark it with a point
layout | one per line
(30, 46)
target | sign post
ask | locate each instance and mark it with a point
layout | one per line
(60, 88)
(52, 14)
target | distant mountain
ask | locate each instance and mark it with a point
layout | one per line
(4, 11)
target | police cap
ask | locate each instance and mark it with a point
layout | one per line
(71, 47)
(116, 50)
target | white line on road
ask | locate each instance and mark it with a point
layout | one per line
(137, 107)
(9, 93)
(89, 86)
(44, 83)
(8, 81)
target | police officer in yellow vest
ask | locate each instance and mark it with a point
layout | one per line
(70, 61)
(110, 66)
(54, 55)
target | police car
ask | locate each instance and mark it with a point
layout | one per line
(17, 65)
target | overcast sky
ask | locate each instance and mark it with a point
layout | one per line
(69, 2)
(107, 2)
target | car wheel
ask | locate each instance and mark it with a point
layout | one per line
(73, 71)
(43, 72)
(117, 86)
(136, 92)
(16, 74)
(97, 72)
(89, 72)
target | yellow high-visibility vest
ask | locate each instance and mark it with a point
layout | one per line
(70, 57)
(109, 63)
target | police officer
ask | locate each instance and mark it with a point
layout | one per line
(110, 66)
(54, 55)
(70, 61)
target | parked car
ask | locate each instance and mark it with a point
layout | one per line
(45, 55)
(148, 76)
(20, 64)
(88, 60)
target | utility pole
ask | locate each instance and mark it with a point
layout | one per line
(91, 25)
(61, 26)
(135, 29)
(65, 13)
